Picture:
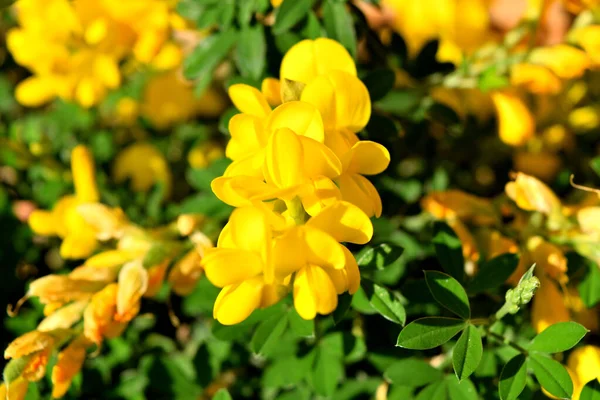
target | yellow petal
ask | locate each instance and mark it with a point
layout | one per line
(359, 191)
(69, 363)
(250, 231)
(35, 91)
(64, 318)
(302, 118)
(314, 292)
(310, 58)
(458, 204)
(111, 258)
(247, 136)
(42, 223)
(78, 245)
(107, 71)
(319, 160)
(238, 191)
(271, 89)
(549, 258)
(531, 194)
(342, 99)
(352, 271)
(133, 283)
(584, 361)
(567, 62)
(340, 141)
(588, 219)
(28, 343)
(289, 252)
(143, 175)
(249, 100)
(366, 158)
(84, 175)
(235, 303)
(515, 123)
(61, 288)
(283, 159)
(225, 267)
(323, 193)
(251, 165)
(16, 390)
(535, 78)
(105, 222)
(322, 249)
(345, 222)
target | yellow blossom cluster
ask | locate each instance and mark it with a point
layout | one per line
(541, 232)
(74, 49)
(297, 180)
(97, 300)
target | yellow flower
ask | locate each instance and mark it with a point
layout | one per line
(589, 39)
(98, 318)
(133, 283)
(69, 363)
(584, 363)
(567, 62)
(79, 238)
(458, 204)
(535, 78)
(461, 25)
(203, 155)
(308, 59)
(16, 390)
(530, 194)
(515, 123)
(143, 175)
(168, 99)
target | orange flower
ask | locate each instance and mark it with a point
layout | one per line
(70, 361)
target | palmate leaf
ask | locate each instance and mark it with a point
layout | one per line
(385, 302)
(591, 391)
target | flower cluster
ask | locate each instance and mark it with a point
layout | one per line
(297, 178)
(541, 232)
(98, 299)
(77, 56)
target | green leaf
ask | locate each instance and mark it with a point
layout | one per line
(595, 164)
(467, 352)
(251, 52)
(589, 288)
(412, 372)
(437, 391)
(268, 333)
(449, 293)
(300, 326)
(312, 29)
(558, 337)
(290, 13)
(552, 375)
(222, 394)
(379, 256)
(591, 391)
(429, 332)
(208, 54)
(339, 25)
(327, 372)
(513, 378)
(490, 79)
(14, 368)
(344, 303)
(385, 302)
(379, 82)
(245, 10)
(494, 272)
(448, 249)
(463, 390)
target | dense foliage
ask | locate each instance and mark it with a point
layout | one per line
(298, 199)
